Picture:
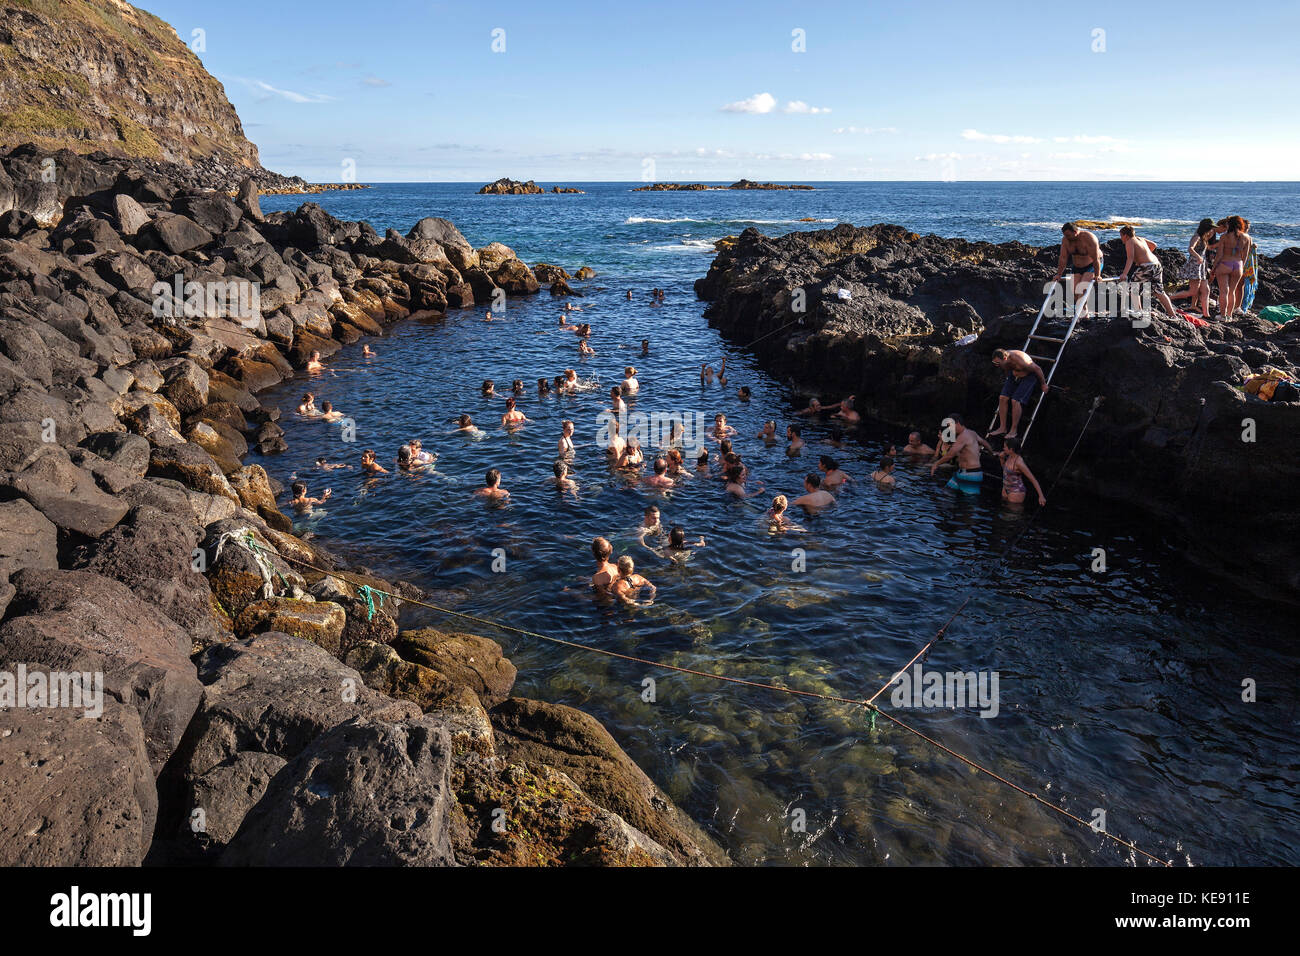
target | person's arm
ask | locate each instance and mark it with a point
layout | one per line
(1128, 261)
(1029, 475)
(1097, 257)
(947, 455)
(1060, 266)
(1038, 372)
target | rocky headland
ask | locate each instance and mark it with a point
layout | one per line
(261, 704)
(700, 187)
(1174, 437)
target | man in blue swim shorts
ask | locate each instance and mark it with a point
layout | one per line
(966, 449)
(1023, 374)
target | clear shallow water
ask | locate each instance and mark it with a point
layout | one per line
(1119, 691)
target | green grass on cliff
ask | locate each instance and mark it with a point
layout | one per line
(103, 14)
(42, 121)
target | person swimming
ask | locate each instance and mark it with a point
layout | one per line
(584, 348)
(649, 524)
(629, 586)
(676, 464)
(1015, 472)
(492, 489)
(418, 455)
(565, 444)
(702, 461)
(325, 465)
(720, 428)
(517, 386)
(660, 477)
(914, 446)
(614, 447)
(616, 404)
(645, 348)
(367, 351)
(314, 363)
(632, 456)
(735, 481)
(795, 436)
(308, 406)
(328, 414)
(513, 416)
(768, 434)
(846, 412)
(404, 459)
(606, 572)
(777, 518)
(489, 388)
(884, 475)
(369, 465)
(630, 385)
(814, 495)
(562, 481)
(744, 394)
(543, 387)
(466, 425)
(301, 503)
(832, 476)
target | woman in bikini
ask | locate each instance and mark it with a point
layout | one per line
(1234, 247)
(1015, 473)
(1195, 269)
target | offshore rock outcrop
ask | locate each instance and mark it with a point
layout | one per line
(253, 697)
(1168, 437)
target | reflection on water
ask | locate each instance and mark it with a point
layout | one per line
(1119, 691)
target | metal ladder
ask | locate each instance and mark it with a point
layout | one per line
(1054, 361)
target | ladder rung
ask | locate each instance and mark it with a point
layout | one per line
(1043, 358)
(1047, 338)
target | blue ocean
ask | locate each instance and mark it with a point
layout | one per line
(1119, 690)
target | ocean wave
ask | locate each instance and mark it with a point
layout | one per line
(637, 220)
(686, 245)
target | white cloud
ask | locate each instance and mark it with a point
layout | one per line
(799, 106)
(375, 81)
(865, 130)
(801, 157)
(974, 134)
(266, 88)
(758, 103)
(1086, 140)
(938, 157)
(1069, 155)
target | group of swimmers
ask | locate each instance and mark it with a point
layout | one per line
(1219, 251)
(956, 443)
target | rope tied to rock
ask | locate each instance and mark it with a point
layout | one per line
(243, 537)
(369, 593)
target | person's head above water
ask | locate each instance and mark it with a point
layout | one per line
(561, 469)
(914, 438)
(625, 566)
(327, 406)
(677, 537)
(629, 372)
(488, 385)
(601, 549)
(887, 463)
(812, 481)
(465, 421)
(792, 431)
(827, 463)
(493, 477)
(652, 512)
(661, 466)
(299, 489)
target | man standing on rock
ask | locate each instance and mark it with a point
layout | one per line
(1017, 388)
(1081, 251)
(1142, 266)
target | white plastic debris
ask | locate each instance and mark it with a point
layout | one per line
(966, 339)
(844, 295)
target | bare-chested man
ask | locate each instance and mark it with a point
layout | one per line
(1141, 265)
(966, 448)
(1081, 254)
(606, 571)
(1018, 388)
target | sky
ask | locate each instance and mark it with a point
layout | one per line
(792, 92)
